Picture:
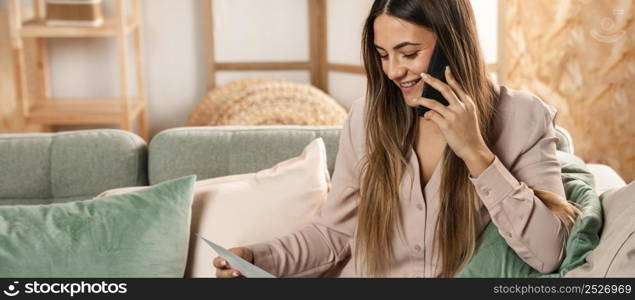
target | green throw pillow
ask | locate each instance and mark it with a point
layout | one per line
(139, 234)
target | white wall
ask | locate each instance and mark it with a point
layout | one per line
(257, 31)
(245, 30)
(486, 13)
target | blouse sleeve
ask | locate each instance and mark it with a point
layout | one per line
(319, 246)
(524, 221)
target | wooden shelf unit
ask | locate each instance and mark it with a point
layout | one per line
(48, 111)
(38, 28)
(76, 111)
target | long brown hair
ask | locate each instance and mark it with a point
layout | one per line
(391, 128)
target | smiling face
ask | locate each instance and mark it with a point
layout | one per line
(405, 49)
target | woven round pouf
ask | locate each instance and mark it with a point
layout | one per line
(206, 108)
(266, 101)
(280, 103)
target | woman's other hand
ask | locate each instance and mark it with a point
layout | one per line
(224, 270)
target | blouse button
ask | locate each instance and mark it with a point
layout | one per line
(486, 191)
(417, 248)
(420, 206)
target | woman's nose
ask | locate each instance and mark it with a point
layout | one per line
(395, 70)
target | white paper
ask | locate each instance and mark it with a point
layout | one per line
(246, 268)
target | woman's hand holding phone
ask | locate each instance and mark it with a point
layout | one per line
(458, 122)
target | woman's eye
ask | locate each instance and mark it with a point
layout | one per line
(411, 56)
(408, 56)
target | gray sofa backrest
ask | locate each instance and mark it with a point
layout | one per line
(59, 167)
(211, 152)
(227, 150)
(49, 168)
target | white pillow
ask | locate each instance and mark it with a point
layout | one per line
(240, 210)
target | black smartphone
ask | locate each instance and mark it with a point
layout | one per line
(436, 69)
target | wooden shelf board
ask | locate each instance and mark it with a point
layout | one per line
(38, 28)
(82, 111)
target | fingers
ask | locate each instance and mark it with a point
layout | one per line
(434, 105)
(243, 252)
(452, 82)
(465, 98)
(220, 263)
(229, 273)
(443, 88)
(223, 270)
(435, 117)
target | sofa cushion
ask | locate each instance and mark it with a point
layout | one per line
(139, 234)
(615, 254)
(58, 167)
(250, 208)
(25, 166)
(211, 152)
(87, 162)
(605, 178)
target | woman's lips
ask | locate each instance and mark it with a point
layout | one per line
(408, 89)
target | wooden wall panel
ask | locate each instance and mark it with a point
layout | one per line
(579, 56)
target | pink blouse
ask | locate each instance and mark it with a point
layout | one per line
(525, 157)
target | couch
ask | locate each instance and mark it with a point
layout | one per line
(44, 168)
(62, 167)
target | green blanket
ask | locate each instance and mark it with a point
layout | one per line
(494, 258)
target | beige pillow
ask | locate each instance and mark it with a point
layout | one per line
(245, 209)
(615, 254)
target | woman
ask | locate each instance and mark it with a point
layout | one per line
(410, 195)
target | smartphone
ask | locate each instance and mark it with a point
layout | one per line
(436, 69)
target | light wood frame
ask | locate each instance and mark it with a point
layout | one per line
(318, 64)
(48, 111)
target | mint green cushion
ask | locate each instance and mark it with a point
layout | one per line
(494, 258)
(138, 234)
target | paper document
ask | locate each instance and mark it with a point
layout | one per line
(246, 268)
